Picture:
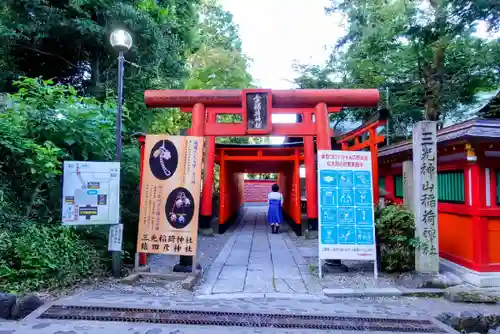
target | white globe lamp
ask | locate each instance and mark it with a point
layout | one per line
(121, 40)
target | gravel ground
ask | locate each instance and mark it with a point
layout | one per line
(145, 286)
(360, 274)
(208, 249)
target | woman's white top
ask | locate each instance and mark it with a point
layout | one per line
(275, 195)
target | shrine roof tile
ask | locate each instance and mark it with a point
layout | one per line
(475, 128)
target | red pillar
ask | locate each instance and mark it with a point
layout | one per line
(311, 182)
(480, 224)
(208, 181)
(374, 154)
(296, 185)
(222, 189)
(323, 140)
(143, 257)
(197, 129)
(198, 120)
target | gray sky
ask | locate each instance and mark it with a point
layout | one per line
(275, 33)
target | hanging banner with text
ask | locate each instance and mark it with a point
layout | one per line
(170, 195)
(346, 217)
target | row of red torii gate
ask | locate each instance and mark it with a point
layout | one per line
(255, 108)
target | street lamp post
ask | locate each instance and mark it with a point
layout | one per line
(121, 41)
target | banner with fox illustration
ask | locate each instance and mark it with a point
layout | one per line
(170, 195)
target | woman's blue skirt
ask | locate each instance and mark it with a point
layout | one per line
(274, 214)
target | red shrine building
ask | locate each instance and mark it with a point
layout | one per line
(468, 196)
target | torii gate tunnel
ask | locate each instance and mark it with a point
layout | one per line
(256, 107)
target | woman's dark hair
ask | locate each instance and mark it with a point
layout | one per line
(275, 188)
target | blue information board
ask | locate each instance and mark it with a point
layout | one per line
(346, 217)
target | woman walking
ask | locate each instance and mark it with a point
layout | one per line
(274, 214)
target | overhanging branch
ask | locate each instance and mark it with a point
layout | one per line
(48, 54)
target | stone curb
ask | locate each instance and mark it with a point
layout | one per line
(189, 282)
(423, 292)
(17, 307)
(294, 296)
(256, 295)
(375, 292)
(383, 292)
(131, 279)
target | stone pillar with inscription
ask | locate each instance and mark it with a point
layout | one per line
(408, 184)
(425, 196)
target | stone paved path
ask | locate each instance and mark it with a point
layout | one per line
(255, 272)
(382, 308)
(255, 261)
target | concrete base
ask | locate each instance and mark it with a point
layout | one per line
(180, 268)
(189, 282)
(204, 222)
(296, 227)
(142, 269)
(225, 226)
(206, 232)
(205, 226)
(483, 280)
(311, 234)
(334, 267)
(312, 224)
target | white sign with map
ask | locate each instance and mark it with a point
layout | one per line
(91, 193)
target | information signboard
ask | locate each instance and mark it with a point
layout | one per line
(91, 193)
(170, 195)
(115, 238)
(346, 215)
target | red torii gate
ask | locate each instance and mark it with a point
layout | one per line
(256, 107)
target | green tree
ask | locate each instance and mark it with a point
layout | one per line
(41, 125)
(324, 77)
(492, 108)
(424, 53)
(217, 62)
(69, 43)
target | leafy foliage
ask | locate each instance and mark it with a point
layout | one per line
(424, 54)
(492, 108)
(44, 256)
(395, 228)
(217, 62)
(69, 43)
(42, 125)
